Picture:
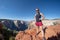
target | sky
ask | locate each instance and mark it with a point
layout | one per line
(25, 9)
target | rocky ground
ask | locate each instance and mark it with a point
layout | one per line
(51, 33)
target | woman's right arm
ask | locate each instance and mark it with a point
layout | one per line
(35, 18)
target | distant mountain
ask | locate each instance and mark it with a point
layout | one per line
(46, 22)
(14, 24)
(53, 19)
(57, 19)
(22, 25)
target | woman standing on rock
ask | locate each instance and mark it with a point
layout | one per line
(38, 21)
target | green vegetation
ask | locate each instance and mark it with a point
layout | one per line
(8, 34)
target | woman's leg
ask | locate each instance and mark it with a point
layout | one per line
(37, 30)
(42, 31)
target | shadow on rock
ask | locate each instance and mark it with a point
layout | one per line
(55, 37)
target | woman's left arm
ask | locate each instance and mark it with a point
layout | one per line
(42, 16)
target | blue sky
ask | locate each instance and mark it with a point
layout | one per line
(25, 9)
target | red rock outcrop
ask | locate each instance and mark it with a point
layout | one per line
(30, 34)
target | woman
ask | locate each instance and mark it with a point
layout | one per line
(38, 21)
